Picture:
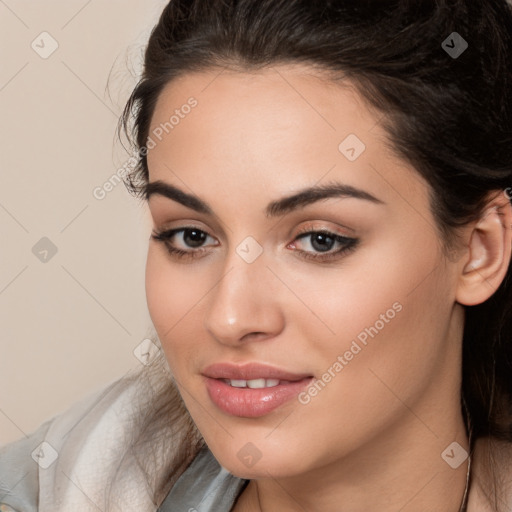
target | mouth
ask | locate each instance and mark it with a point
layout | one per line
(251, 390)
(253, 398)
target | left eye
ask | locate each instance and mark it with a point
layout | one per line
(322, 241)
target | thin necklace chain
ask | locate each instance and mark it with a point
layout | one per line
(463, 507)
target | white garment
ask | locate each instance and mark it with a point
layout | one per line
(89, 439)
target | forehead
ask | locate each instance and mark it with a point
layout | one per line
(271, 128)
(286, 101)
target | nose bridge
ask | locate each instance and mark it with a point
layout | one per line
(243, 300)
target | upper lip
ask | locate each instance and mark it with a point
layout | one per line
(250, 371)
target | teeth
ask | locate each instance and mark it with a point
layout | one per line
(257, 383)
(253, 384)
(238, 383)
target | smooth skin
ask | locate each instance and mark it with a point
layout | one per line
(372, 439)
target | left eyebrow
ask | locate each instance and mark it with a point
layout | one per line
(317, 193)
(276, 208)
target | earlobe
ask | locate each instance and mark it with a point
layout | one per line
(490, 247)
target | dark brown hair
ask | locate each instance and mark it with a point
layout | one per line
(449, 116)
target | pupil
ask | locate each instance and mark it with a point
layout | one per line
(321, 239)
(195, 238)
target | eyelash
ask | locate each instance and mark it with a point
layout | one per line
(349, 244)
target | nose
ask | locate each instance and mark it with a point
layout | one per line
(244, 304)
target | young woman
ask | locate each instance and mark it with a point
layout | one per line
(328, 275)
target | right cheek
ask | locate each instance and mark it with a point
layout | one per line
(151, 289)
(155, 277)
(156, 297)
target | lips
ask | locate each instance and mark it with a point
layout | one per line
(251, 390)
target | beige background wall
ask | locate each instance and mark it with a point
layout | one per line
(68, 325)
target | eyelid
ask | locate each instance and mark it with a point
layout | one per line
(321, 226)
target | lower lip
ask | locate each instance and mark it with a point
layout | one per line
(252, 403)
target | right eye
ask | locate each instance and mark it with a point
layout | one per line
(192, 237)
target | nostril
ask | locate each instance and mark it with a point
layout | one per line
(253, 335)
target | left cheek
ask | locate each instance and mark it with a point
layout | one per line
(349, 310)
(371, 325)
(402, 353)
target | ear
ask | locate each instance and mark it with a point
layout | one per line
(489, 252)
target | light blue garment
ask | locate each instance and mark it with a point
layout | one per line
(204, 486)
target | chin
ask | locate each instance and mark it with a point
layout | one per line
(253, 460)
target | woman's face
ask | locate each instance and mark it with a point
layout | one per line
(357, 338)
